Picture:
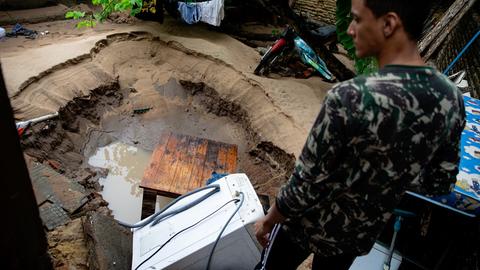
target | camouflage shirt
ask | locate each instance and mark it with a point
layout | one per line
(374, 136)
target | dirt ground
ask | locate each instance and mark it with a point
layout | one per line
(191, 79)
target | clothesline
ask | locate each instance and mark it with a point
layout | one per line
(193, 1)
(187, 1)
(211, 12)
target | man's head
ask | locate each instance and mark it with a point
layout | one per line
(377, 21)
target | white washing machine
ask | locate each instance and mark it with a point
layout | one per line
(237, 249)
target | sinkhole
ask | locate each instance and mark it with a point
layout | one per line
(113, 110)
(105, 142)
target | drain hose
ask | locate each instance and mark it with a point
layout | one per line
(159, 216)
(210, 256)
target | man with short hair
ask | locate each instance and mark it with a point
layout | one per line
(374, 136)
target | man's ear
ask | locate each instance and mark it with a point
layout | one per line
(391, 23)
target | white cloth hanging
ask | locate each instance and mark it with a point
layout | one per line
(212, 12)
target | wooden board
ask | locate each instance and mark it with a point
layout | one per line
(440, 26)
(444, 27)
(181, 163)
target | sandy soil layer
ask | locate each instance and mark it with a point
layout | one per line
(284, 107)
(96, 77)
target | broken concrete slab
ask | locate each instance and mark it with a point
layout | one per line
(109, 244)
(53, 215)
(56, 188)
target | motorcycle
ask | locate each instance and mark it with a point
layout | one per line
(288, 40)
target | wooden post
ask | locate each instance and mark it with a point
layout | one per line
(23, 245)
(450, 19)
(148, 202)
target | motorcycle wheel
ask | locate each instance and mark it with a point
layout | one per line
(268, 59)
(263, 62)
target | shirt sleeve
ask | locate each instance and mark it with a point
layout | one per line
(440, 175)
(310, 181)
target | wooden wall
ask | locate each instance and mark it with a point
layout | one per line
(455, 42)
(319, 10)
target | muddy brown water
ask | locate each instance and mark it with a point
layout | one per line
(125, 165)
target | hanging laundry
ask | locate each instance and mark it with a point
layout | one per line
(189, 12)
(212, 12)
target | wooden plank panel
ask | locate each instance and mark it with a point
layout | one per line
(221, 166)
(177, 164)
(185, 164)
(181, 163)
(165, 176)
(212, 154)
(161, 172)
(222, 159)
(231, 165)
(185, 167)
(198, 163)
(210, 161)
(227, 158)
(205, 171)
(155, 167)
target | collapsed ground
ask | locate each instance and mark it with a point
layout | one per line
(182, 90)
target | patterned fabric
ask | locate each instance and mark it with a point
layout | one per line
(374, 137)
(468, 180)
(149, 6)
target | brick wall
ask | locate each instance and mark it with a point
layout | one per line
(319, 10)
(455, 42)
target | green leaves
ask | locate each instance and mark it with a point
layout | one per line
(137, 2)
(86, 24)
(74, 15)
(366, 65)
(276, 33)
(343, 21)
(362, 66)
(78, 15)
(123, 5)
(108, 7)
(135, 11)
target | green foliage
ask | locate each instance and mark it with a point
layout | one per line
(108, 7)
(362, 66)
(74, 15)
(366, 65)
(343, 19)
(86, 23)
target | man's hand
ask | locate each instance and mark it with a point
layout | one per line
(264, 226)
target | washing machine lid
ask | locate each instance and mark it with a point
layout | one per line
(147, 240)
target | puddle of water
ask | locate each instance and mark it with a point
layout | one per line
(177, 113)
(126, 165)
